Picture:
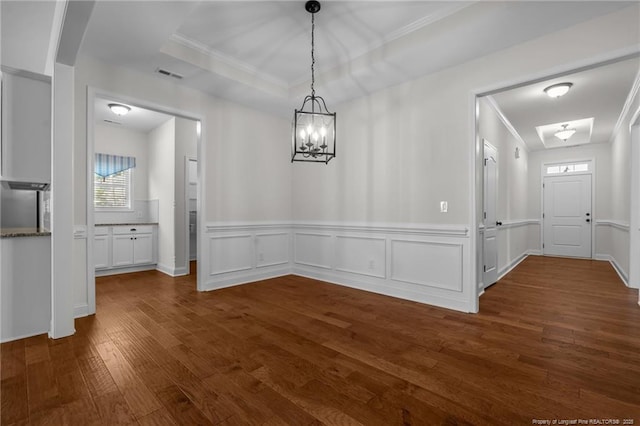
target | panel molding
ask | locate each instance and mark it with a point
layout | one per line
(358, 255)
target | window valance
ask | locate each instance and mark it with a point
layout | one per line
(107, 165)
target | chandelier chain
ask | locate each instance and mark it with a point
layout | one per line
(313, 58)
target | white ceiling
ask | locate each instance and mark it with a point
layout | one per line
(139, 119)
(599, 94)
(258, 53)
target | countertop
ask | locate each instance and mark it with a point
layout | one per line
(127, 224)
(24, 232)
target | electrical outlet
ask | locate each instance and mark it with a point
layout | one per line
(261, 257)
(372, 265)
(139, 214)
(444, 206)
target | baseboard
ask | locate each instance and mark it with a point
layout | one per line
(116, 271)
(616, 266)
(81, 311)
(535, 252)
(25, 336)
(244, 278)
(171, 271)
(504, 271)
(342, 279)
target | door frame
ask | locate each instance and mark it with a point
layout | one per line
(592, 172)
(92, 94)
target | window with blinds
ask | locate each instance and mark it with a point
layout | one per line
(114, 191)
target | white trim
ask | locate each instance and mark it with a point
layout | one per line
(390, 228)
(508, 224)
(623, 226)
(373, 287)
(247, 277)
(505, 121)
(80, 311)
(117, 271)
(171, 271)
(616, 266)
(23, 336)
(626, 108)
(515, 262)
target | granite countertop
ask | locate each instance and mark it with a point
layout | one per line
(24, 232)
(127, 224)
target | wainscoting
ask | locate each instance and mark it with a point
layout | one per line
(428, 264)
(241, 253)
(612, 245)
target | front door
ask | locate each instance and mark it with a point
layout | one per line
(490, 240)
(567, 215)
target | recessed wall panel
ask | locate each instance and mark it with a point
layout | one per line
(230, 253)
(427, 263)
(361, 255)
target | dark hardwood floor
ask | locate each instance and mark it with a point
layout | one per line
(555, 339)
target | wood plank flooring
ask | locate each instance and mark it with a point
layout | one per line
(555, 339)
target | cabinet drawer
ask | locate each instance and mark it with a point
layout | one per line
(133, 229)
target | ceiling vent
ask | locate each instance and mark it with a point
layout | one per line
(168, 73)
(112, 122)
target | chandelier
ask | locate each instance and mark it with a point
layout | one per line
(314, 128)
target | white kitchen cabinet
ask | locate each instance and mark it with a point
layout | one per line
(101, 251)
(122, 254)
(25, 152)
(119, 249)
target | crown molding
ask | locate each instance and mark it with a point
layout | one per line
(218, 57)
(503, 118)
(626, 109)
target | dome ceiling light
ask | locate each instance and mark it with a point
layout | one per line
(557, 90)
(119, 109)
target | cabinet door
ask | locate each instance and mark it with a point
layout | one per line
(26, 128)
(101, 251)
(122, 250)
(142, 249)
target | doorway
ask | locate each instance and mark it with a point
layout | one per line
(567, 221)
(173, 140)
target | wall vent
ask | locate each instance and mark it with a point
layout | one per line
(168, 73)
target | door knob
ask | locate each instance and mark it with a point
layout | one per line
(588, 220)
(498, 223)
(588, 214)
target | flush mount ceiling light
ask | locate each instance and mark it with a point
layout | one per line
(564, 133)
(557, 90)
(314, 129)
(119, 109)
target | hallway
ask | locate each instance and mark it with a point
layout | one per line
(555, 339)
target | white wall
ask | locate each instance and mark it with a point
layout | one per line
(404, 149)
(127, 142)
(512, 194)
(162, 160)
(620, 207)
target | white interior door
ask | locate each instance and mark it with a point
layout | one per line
(490, 192)
(567, 215)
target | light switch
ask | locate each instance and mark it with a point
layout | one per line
(444, 206)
